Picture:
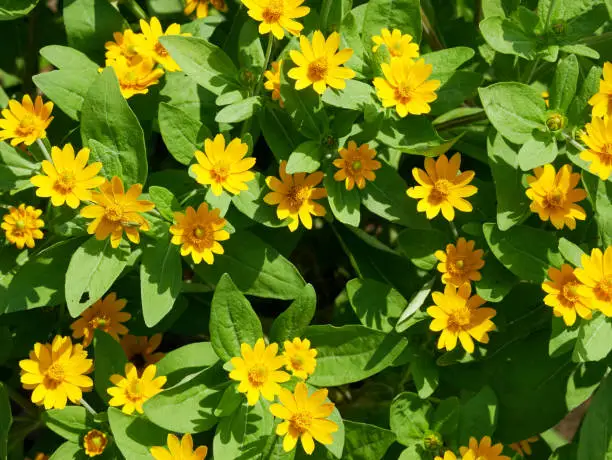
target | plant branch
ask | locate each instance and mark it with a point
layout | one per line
(430, 33)
(461, 121)
(136, 9)
(45, 152)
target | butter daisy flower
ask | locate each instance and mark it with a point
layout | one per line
(224, 167)
(133, 390)
(563, 295)
(356, 165)
(25, 122)
(442, 187)
(179, 450)
(140, 350)
(602, 100)
(135, 78)
(483, 450)
(201, 7)
(273, 81)
(56, 372)
(125, 45)
(460, 263)
(320, 64)
(448, 455)
(106, 315)
(300, 359)
(598, 139)
(305, 418)
(595, 274)
(277, 16)
(523, 447)
(398, 44)
(22, 225)
(95, 443)
(257, 370)
(295, 194)
(151, 47)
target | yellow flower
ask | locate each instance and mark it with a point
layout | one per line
(554, 195)
(320, 64)
(564, 295)
(151, 46)
(598, 138)
(115, 211)
(448, 455)
(398, 45)
(179, 450)
(125, 45)
(459, 316)
(39, 456)
(25, 122)
(406, 86)
(295, 194)
(273, 82)
(460, 264)
(199, 232)
(105, 315)
(140, 350)
(94, 442)
(133, 390)
(55, 371)
(68, 179)
(522, 447)
(224, 168)
(305, 417)
(135, 79)
(257, 371)
(201, 7)
(300, 359)
(21, 225)
(356, 165)
(596, 276)
(602, 100)
(442, 187)
(545, 95)
(483, 451)
(276, 16)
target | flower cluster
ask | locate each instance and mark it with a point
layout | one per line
(477, 450)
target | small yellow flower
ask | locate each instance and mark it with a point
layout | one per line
(257, 371)
(115, 211)
(596, 276)
(224, 168)
(179, 450)
(25, 122)
(459, 316)
(199, 232)
(564, 295)
(39, 456)
(522, 447)
(602, 100)
(442, 187)
(554, 195)
(125, 45)
(300, 359)
(133, 390)
(304, 418)
(460, 263)
(545, 95)
(68, 179)
(201, 7)
(483, 451)
(320, 64)
(55, 371)
(273, 82)
(22, 225)
(151, 46)
(105, 315)
(94, 442)
(140, 350)
(276, 16)
(448, 455)
(598, 138)
(136, 78)
(295, 194)
(398, 44)
(356, 165)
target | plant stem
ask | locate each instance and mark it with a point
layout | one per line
(533, 69)
(266, 63)
(45, 152)
(461, 121)
(22, 402)
(88, 407)
(430, 33)
(451, 224)
(135, 8)
(574, 142)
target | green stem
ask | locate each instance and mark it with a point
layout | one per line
(88, 407)
(266, 63)
(533, 70)
(574, 142)
(453, 229)
(45, 152)
(135, 8)
(22, 402)
(461, 121)
(430, 33)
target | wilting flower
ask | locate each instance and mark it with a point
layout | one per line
(276, 16)
(483, 451)
(448, 455)
(125, 45)
(94, 443)
(22, 225)
(398, 44)
(460, 263)
(442, 187)
(105, 315)
(564, 295)
(151, 46)
(295, 194)
(320, 64)
(56, 372)
(596, 276)
(602, 100)
(136, 78)
(25, 122)
(201, 7)
(356, 165)
(598, 138)
(133, 390)
(273, 82)
(522, 447)
(140, 350)
(179, 450)
(300, 359)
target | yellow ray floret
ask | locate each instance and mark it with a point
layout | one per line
(22, 225)
(300, 359)
(602, 100)
(94, 443)
(460, 263)
(483, 450)
(398, 44)
(595, 274)
(598, 138)
(179, 450)
(273, 81)
(356, 165)
(106, 315)
(25, 122)
(201, 7)
(133, 390)
(140, 350)
(151, 46)
(277, 16)
(563, 295)
(137, 77)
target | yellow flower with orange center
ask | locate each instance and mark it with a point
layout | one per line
(151, 47)
(133, 390)
(442, 187)
(300, 359)
(277, 16)
(25, 122)
(304, 417)
(257, 371)
(320, 64)
(125, 45)
(22, 225)
(602, 100)
(448, 455)
(460, 263)
(357, 164)
(598, 138)
(56, 372)
(564, 296)
(115, 211)
(398, 44)
(140, 350)
(596, 277)
(483, 450)
(273, 82)
(136, 78)
(295, 194)
(105, 315)
(523, 447)
(179, 450)
(199, 232)
(94, 443)
(201, 7)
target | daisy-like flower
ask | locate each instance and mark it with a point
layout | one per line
(22, 225)
(598, 138)
(140, 350)
(596, 277)
(398, 44)
(201, 7)
(300, 359)
(320, 64)
(124, 45)
(273, 82)
(151, 46)
(304, 418)
(257, 371)
(115, 211)
(523, 447)
(25, 122)
(179, 450)
(448, 455)
(133, 390)
(276, 16)
(356, 165)
(442, 187)
(602, 100)
(460, 264)
(554, 195)
(564, 296)
(295, 194)
(224, 168)
(483, 450)
(94, 443)
(459, 316)
(136, 78)
(105, 315)
(406, 86)
(199, 232)
(68, 179)
(56, 372)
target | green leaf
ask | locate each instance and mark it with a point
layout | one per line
(344, 204)
(507, 37)
(278, 131)
(293, 321)
(595, 435)
(415, 135)
(229, 402)
(580, 108)
(111, 164)
(412, 313)
(420, 245)
(562, 337)
(594, 339)
(332, 13)
(13, 9)
(68, 451)
(182, 134)
(478, 416)
(377, 305)
(165, 201)
(239, 111)
(571, 252)
(496, 282)
(64, 57)
(425, 374)
(355, 96)
(538, 150)
(135, 435)
(250, 51)
(564, 83)
(71, 423)
(445, 419)
(250, 203)
(404, 15)
(6, 419)
(446, 61)
(583, 382)
(110, 360)
(67, 88)
(15, 169)
(364, 441)
(305, 158)
(186, 360)
(409, 418)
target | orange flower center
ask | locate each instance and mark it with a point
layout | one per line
(554, 199)
(569, 292)
(356, 165)
(55, 375)
(134, 390)
(273, 11)
(95, 442)
(606, 155)
(403, 93)
(101, 321)
(65, 182)
(440, 191)
(297, 362)
(27, 125)
(202, 236)
(114, 213)
(20, 225)
(457, 267)
(301, 421)
(459, 318)
(160, 50)
(297, 195)
(317, 69)
(603, 290)
(220, 172)
(258, 375)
